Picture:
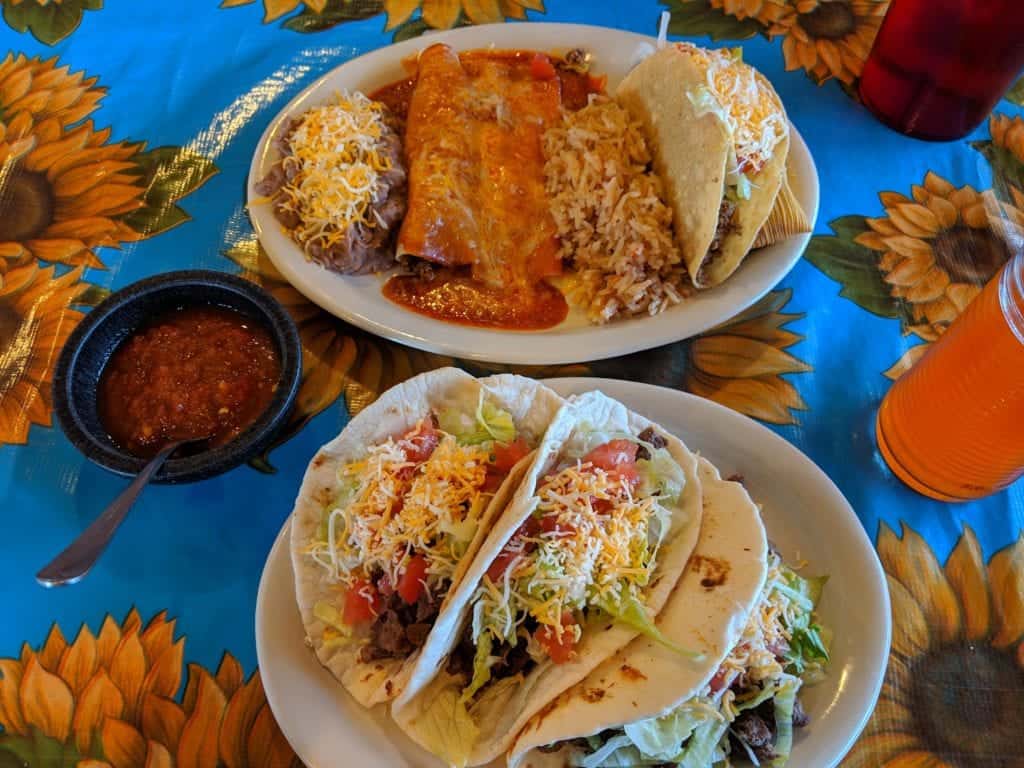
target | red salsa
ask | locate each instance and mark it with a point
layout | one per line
(195, 372)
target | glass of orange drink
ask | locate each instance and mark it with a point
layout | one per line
(952, 427)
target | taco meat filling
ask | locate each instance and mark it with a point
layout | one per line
(587, 553)
(727, 224)
(748, 711)
(406, 516)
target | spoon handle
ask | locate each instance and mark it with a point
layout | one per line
(75, 561)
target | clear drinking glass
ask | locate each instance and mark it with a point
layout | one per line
(938, 67)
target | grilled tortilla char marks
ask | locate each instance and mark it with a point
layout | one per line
(477, 204)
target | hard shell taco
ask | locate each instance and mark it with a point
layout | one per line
(749, 613)
(392, 512)
(721, 140)
(582, 560)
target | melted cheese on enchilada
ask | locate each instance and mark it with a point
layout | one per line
(476, 169)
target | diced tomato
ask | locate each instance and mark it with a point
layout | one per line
(514, 548)
(492, 482)
(718, 681)
(507, 455)
(602, 506)
(410, 583)
(362, 603)
(550, 524)
(541, 67)
(420, 441)
(560, 649)
(618, 456)
(501, 564)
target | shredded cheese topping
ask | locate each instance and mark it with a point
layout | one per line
(757, 123)
(395, 507)
(766, 629)
(596, 553)
(335, 166)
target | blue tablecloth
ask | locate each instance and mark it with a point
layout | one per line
(125, 138)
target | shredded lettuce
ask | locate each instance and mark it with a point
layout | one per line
(702, 746)
(481, 666)
(447, 729)
(632, 613)
(785, 700)
(488, 423)
(663, 737)
(661, 475)
(808, 646)
(706, 102)
(608, 755)
(337, 632)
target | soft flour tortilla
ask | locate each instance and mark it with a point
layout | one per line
(645, 680)
(690, 149)
(532, 406)
(504, 710)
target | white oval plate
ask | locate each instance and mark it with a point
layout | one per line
(359, 300)
(806, 517)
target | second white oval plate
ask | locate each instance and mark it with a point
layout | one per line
(359, 300)
(806, 516)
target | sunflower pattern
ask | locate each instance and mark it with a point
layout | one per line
(66, 190)
(110, 700)
(925, 259)
(406, 18)
(828, 39)
(956, 668)
(49, 21)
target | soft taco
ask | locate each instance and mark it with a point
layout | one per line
(392, 512)
(586, 554)
(721, 140)
(751, 615)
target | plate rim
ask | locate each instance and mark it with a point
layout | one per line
(507, 346)
(851, 524)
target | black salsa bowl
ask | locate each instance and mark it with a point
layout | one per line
(90, 346)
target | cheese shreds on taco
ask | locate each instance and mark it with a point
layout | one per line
(392, 512)
(753, 617)
(721, 140)
(586, 554)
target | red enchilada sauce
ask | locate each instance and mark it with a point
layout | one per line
(521, 299)
(196, 372)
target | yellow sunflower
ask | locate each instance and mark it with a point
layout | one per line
(336, 358)
(1008, 133)
(827, 38)
(954, 687)
(35, 320)
(109, 701)
(939, 248)
(439, 14)
(740, 363)
(63, 188)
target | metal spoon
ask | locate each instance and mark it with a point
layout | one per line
(74, 562)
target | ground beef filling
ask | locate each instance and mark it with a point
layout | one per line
(400, 628)
(756, 728)
(654, 439)
(728, 223)
(362, 249)
(512, 659)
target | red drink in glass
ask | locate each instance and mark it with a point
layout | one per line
(938, 67)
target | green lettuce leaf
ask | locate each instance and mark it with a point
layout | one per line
(661, 475)
(447, 729)
(785, 700)
(700, 749)
(481, 666)
(632, 613)
(488, 423)
(663, 737)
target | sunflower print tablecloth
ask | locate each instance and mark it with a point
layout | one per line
(125, 138)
